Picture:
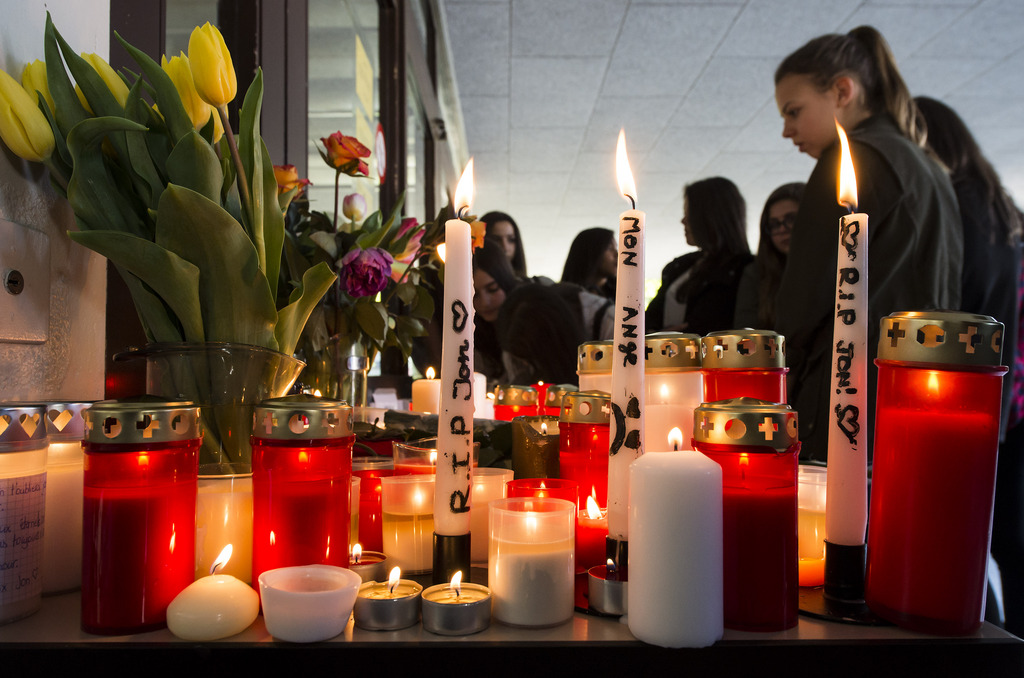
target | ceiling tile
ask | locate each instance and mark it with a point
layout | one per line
(486, 123)
(991, 29)
(774, 28)
(642, 117)
(543, 149)
(479, 44)
(554, 92)
(687, 149)
(565, 28)
(728, 92)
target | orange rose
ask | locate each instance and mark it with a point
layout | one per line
(345, 154)
(288, 178)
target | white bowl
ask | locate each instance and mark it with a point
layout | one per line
(308, 603)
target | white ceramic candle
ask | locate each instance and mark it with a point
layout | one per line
(216, 606)
(455, 423)
(531, 566)
(847, 509)
(407, 509)
(488, 485)
(627, 394)
(308, 603)
(675, 550)
(426, 393)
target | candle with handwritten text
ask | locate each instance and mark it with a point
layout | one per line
(627, 396)
(846, 512)
(455, 423)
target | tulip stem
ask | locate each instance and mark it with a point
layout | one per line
(337, 182)
(243, 182)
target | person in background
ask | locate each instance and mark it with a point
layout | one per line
(755, 300)
(592, 261)
(502, 229)
(493, 281)
(992, 258)
(540, 332)
(698, 290)
(915, 236)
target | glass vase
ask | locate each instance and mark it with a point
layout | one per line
(225, 380)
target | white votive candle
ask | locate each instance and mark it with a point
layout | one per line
(213, 607)
(407, 510)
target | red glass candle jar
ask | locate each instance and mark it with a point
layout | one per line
(23, 494)
(550, 488)
(583, 442)
(594, 366)
(744, 364)
(515, 401)
(370, 470)
(139, 512)
(301, 479)
(755, 442)
(551, 403)
(674, 384)
(933, 485)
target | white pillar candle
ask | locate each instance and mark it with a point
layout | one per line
(483, 407)
(489, 484)
(531, 569)
(847, 512)
(62, 539)
(212, 607)
(455, 423)
(675, 550)
(627, 394)
(407, 519)
(426, 393)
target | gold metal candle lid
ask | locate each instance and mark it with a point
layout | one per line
(141, 421)
(595, 357)
(556, 392)
(22, 426)
(743, 349)
(302, 417)
(945, 337)
(586, 407)
(672, 351)
(745, 421)
(66, 421)
(524, 396)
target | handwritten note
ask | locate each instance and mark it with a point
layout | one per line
(22, 507)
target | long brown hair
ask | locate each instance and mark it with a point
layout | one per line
(716, 215)
(864, 55)
(770, 261)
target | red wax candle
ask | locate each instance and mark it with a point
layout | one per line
(744, 363)
(371, 470)
(763, 384)
(583, 428)
(591, 535)
(515, 401)
(936, 436)
(301, 485)
(139, 515)
(552, 488)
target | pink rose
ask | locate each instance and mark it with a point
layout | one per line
(363, 273)
(413, 246)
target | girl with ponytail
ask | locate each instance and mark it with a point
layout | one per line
(914, 233)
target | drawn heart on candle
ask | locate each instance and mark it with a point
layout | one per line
(847, 420)
(5, 422)
(59, 418)
(29, 422)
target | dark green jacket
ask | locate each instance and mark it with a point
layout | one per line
(915, 242)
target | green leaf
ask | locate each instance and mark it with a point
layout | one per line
(292, 318)
(157, 320)
(94, 191)
(250, 146)
(372, 318)
(327, 242)
(406, 292)
(387, 230)
(193, 164)
(62, 158)
(68, 110)
(424, 306)
(140, 160)
(236, 300)
(166, 95)
(273, 219)
(170, 277)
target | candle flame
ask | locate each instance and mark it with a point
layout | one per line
(464, 190)
(457, 583)
(664, 393)
(441, 250)
(433, 457)
(543, 486)
(357, 553)
(396, 574)
(622, 172)
(847, 193)
(273, 539)
(430, 373)
(593, 510)
(174, 535)
(543, 428)
(222, 559)
(317, 392)
(933, 383)
(489, 396)
(609, 566)
(675, 438)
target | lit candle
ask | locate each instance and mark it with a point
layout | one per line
(455, 423)
(535, 447)
(369, 565)
(676, 552)
(591, 532)
(627, 395)
(224, 516)
(426, 393)
(388, 606)
(216, 606)
(456, 609)
(674, 385)
(407, 504)
(846, 513)
(583, 442)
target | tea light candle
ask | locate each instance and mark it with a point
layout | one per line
(388, 606)
(213, 607)
(308, 603)
(426, 393)
(369, 565)
(605, 592)
(456, 609)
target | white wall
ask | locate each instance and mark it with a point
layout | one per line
(69, 364)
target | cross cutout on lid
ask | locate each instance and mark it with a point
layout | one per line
(970, 338)
(768, 428)
(895, 334)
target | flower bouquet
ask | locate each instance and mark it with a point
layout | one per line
(189, 216)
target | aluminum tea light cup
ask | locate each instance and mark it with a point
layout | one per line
(456, 609)
(388, 605)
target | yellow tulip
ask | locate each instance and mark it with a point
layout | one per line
(212, 70)
(181, 75)
(23, 127)
(113, 81)
(33, 79)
